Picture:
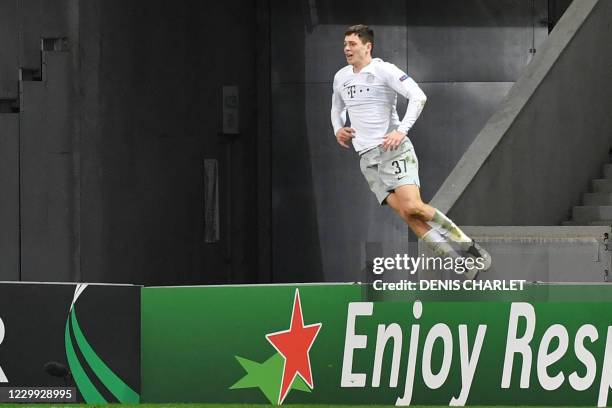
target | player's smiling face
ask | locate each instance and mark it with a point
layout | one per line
(356, 52)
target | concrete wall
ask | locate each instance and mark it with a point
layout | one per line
(465, 55)
(37, 213)
(48, 180)
(109, 147)
(538, 254)
(9, 46)
(9, 142)
(9, 204)
(539, 152)
(152, 73)
(102, 167)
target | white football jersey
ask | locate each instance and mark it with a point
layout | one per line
(370, 98)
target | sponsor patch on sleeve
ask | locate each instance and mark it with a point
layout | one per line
(404, 77)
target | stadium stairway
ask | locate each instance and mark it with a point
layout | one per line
(530, 163)
(597, 205)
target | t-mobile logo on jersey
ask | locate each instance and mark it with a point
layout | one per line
(3, 378)
(351, 90)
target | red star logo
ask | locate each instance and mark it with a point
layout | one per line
(294, 345)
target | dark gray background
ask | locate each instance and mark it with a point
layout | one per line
(101, 160)
(34, 317)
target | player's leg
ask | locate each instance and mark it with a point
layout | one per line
(398, 171)
(416, 224)
(408, 199)
(432, 238)
(452, 232)
(423, 218)
(406, 202)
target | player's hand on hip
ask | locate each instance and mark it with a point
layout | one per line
(393, 140)
(344, 135)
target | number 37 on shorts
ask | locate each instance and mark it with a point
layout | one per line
(404, 163)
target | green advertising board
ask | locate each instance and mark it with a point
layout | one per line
(344, 344)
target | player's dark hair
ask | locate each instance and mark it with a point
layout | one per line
(362, 31)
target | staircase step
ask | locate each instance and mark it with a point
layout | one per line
(605, 223)
(602, 186)
(586, 213)
(597, 199)
(607, 170)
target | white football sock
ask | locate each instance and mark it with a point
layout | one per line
(438, 245)
(450, 230)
